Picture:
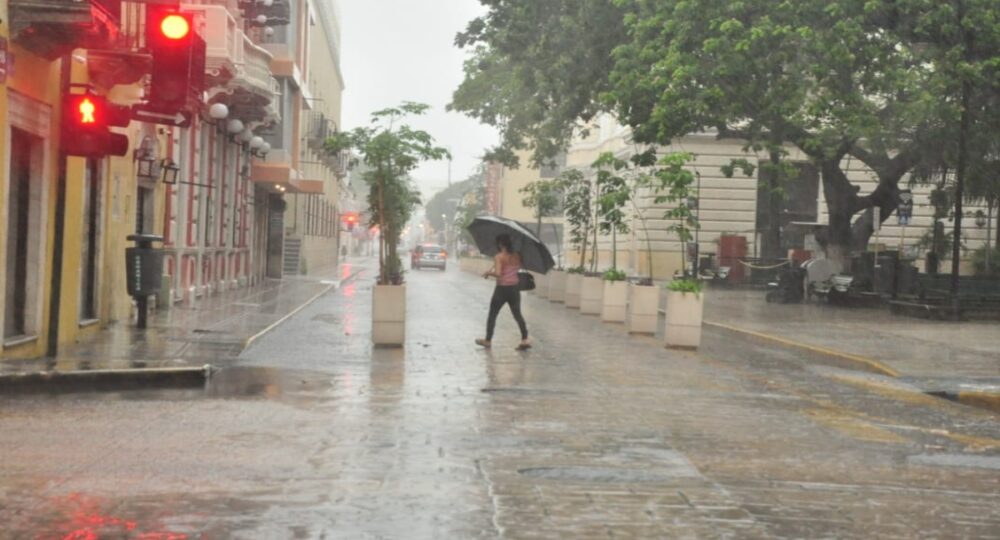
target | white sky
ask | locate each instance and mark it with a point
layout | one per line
(402, 50)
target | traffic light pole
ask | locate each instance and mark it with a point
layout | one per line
(55, 297)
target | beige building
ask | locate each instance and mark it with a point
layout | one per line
(511, 206)
(734, 206)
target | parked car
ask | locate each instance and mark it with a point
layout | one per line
(428, 256)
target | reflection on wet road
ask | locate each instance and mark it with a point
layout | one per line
(591, 434)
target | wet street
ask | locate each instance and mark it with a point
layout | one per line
(590, 434)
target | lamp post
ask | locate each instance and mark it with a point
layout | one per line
(982, 220)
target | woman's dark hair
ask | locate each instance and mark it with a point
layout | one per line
(504, 243)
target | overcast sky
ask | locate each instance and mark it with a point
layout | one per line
(402, 50)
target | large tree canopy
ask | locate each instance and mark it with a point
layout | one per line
(877, 80)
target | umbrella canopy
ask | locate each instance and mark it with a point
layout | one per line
(534, 255)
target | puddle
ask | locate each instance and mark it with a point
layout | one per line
(957, 460)
(523, 391)
(598, 475)
(267, 382)
(328, 318)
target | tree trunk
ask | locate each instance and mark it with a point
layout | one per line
(381, 230)
(772, 234)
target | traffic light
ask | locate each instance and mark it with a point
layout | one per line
(178, 57)
(351, 219)
(86, 119)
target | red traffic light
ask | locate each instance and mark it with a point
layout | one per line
(174, 26)
(178, 58)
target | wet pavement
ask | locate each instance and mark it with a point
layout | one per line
(591, 434)
(212, 329)
(934, 355)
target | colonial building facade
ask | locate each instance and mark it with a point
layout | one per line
(223, 189)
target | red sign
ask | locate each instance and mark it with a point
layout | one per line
(494, 171)
(3, 60)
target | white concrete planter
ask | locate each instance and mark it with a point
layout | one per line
(389, 315)
(591, 295)
(573, 283)
(643, 309)
(615, 301)
(684, 311)
(542, 285)
(557, 286)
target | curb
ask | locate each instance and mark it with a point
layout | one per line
(822, 351)
(103, 379)
(250, 340)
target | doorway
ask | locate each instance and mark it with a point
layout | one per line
(23, 236)
(275, 235)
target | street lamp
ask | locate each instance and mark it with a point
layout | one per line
(981, 221)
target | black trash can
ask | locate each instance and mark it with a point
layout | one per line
(144, 271)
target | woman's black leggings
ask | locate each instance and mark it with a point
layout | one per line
(505, 294)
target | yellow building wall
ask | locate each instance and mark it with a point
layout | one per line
(37, 79)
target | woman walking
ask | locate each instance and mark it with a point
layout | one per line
(506, 264)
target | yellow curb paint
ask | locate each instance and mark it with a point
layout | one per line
(986, 400)
(873, 364)
(275, 324)
(915, 396)
(852, 426)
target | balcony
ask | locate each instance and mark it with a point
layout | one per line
(52, 28)
(319, 129)
(237, 71)
(222, 41)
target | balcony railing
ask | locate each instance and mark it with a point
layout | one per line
(223, 40)
(320, 128)
(254, 69)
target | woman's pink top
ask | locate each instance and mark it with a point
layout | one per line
(509, 266)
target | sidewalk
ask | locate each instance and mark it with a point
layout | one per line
(211, 330)
(938, 356)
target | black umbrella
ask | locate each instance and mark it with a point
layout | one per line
(534, 255)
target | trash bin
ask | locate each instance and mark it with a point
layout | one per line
(144, 271)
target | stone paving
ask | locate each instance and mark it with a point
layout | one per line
(591, 434)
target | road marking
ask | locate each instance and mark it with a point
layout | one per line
(275, 324)
(873, 364)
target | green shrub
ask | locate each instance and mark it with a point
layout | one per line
(979, 262)
(575, 270)
(685, 286)
(614, 275)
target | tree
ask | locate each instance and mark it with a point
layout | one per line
(390, 152)
(874, 80)
(544, 198)
(535, 69)
(579, 210)
(671, 181)
(613, 194)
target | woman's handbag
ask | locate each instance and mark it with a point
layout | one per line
(525, 281)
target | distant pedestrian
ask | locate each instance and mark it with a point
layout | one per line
(506, 265)
(343, 251)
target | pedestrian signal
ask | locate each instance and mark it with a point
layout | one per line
(86, 119)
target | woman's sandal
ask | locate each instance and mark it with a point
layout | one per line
(483, 343)
(523, 346)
